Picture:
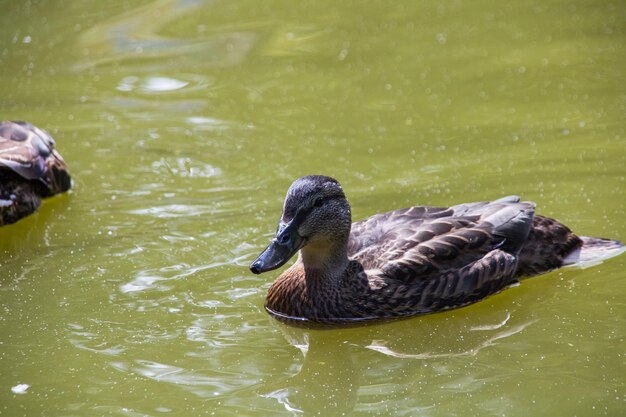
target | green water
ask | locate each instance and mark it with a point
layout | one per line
(184, 122)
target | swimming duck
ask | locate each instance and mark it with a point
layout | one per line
(406, 262)
(30, 169)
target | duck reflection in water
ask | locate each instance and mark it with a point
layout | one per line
(345, 369)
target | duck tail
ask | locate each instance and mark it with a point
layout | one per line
(548, 244)
(593, 251)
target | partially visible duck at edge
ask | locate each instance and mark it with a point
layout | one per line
(407, 262)
(30, 169)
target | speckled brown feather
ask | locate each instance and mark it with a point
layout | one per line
(30, 169)
(548, 243)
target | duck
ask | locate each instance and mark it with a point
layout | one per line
(407, 262)
(30, 170)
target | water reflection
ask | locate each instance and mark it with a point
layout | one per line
(143, 109)
(153, 279)
(219, 346)
(32, 232)
(163, 84)
(185, 167)
(327, 382)
(135, 34)
(348, 370)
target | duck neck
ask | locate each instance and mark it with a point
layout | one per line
(324, 263)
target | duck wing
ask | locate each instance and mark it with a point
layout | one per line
(22, 151)
(424, 243)
(29, 152)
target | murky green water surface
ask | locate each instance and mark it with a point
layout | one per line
(184, 122)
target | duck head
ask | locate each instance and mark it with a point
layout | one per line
(316, 218)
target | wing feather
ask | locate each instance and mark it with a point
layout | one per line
(423, 243)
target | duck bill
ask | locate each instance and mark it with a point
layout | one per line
(284, 245)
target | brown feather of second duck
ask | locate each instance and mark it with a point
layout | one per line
(405, 262)
(30, 169)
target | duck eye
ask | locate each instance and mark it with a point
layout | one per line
(318, 202)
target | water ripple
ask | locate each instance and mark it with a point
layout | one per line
(176, 211)
(186, 167)
(152, 279)
(92, 341)
(199, 384)
(379, 346)
(163, 84)
(135, 35)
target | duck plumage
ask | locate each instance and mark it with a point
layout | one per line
(405, 262)
(30, 169)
